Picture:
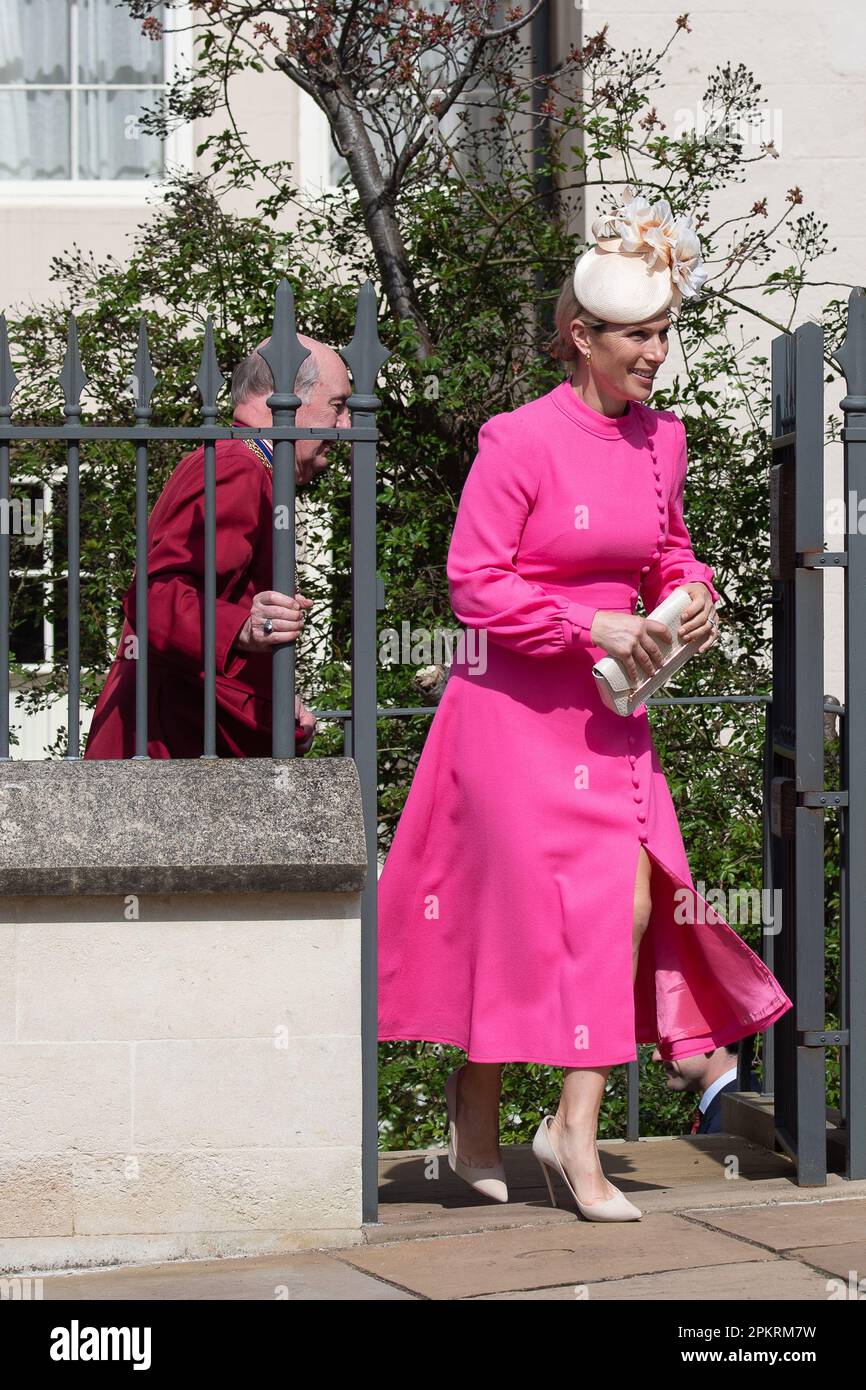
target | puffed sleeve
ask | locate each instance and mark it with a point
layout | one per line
(676, 564)
(487, 592)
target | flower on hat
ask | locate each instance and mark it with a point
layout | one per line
(687, 268)
(652, 230)
(626, 219)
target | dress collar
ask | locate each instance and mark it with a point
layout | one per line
(625, 426)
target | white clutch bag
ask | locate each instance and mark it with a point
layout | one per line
(614, 684)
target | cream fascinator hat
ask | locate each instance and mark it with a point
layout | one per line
(645, 262)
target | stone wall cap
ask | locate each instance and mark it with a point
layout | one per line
(181, 825)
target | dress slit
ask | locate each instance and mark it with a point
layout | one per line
(699, 985)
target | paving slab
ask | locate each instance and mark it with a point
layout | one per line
(754, 1282)
(789, 1226)
(541, 1257)
(410, 1223)
(266, 1278)
(846, 1262)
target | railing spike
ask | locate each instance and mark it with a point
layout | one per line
(72, 376)
(365, 354)
(143, 380)
(285, 352)
(851, 356)
(210, 380)
(8, 379)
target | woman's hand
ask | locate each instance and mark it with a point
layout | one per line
(286, 614)
(632, 640)
(643, 642)
(701, 610)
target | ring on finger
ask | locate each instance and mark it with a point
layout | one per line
(267, 626)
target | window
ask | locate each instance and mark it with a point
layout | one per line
(38, 580)
(75, 76)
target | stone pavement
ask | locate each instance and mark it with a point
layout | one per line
(705, 1235)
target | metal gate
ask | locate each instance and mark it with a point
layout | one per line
(797, 798)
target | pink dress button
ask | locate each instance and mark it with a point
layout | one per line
(641, 815)
(644, 569)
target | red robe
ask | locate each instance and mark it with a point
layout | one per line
(175, 566)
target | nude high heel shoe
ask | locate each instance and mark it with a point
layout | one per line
(490, 1182)
(617, 1208)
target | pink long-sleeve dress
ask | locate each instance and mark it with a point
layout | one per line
(506, 898)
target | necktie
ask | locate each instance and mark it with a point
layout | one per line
(696, 1120)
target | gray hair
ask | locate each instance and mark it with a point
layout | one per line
(253, 377)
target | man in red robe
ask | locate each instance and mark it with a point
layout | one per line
(245, 600)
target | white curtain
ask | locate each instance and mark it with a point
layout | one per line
(36, 42)
(111, 145)
(34, 47)
(112, 49)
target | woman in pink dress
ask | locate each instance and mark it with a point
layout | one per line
(536, 904)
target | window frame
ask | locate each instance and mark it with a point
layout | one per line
(45, 575)
(48, 575)
(179, 147)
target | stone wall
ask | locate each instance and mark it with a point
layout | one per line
(180, 1038)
